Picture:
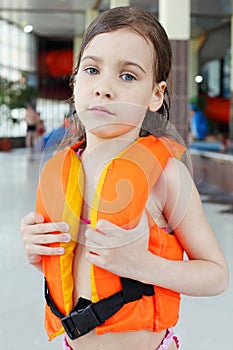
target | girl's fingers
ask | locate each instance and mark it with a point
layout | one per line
(37, 237)
(44, 250)
(34, 259)
(49, 227)
(47, 239)
(34, 222)
(94, 238)
(45, 228)
(31, 219)
(110, 229)
(95, 259)
(113, 236)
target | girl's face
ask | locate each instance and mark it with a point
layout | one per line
(114, 84)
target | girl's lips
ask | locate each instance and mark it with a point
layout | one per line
(100, 109)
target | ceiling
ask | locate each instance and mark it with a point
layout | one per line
(64, 19)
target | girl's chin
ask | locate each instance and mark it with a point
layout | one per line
(109, 131)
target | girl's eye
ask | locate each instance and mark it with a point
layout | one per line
(128, 77)
(91, 70)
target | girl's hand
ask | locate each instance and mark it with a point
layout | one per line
(122, 252)
(37, 234)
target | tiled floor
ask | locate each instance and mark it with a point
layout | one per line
(205, 323)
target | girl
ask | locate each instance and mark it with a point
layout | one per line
(119, 85)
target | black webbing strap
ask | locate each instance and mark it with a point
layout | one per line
(86, 315)
(50, 301)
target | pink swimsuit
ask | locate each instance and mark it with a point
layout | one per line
(167, 340)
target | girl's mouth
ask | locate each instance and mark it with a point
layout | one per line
(100, 110)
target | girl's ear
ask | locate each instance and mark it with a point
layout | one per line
(157, 96)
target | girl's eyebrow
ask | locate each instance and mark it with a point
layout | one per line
(122, 62)
(93, 58)
(132, 63)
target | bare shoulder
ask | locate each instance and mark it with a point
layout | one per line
(176, 194)
(175, 180)
(175, 171)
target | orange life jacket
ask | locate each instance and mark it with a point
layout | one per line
(121, 196)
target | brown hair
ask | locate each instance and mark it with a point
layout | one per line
(146, 24)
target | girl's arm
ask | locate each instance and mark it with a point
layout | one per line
(204, 273)
(37, 234)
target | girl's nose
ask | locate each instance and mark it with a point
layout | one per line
(104, 93)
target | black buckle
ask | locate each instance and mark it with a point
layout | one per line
(80, 322)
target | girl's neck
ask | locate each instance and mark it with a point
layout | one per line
(109, 146)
